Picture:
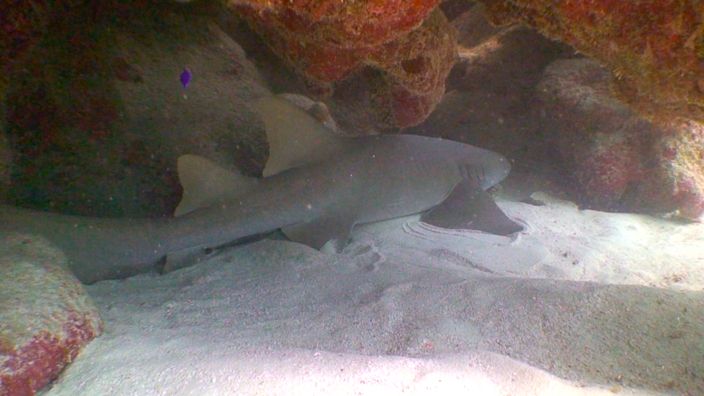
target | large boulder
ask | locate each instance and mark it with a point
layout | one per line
(97, 107)
(5, 155)
(46, 317)
(410, 45)
(490, 89)
(618, 160)
(655, 48)
(677, 183)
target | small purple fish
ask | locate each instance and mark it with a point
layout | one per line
(185, 77)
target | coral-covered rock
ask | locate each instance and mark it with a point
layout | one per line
(46, 317)
(504, 59)
(99, 107)
(678, 182)
(415, 68)
(21, 26)
(654, 47)
(341, 24)
(5, 155)
(617, 159)
(490, 88)
(326, 41)
(589, 126)
(454, 8)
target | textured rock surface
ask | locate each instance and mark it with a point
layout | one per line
(490, 88)
(5, 155)
(99, 107)
(654, 47)
(619, 160)
(590, 129)
(21, 25)
(46, 317)
(212, 116)
(678, 185)
(327, 41)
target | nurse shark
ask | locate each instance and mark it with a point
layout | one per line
(316, 187)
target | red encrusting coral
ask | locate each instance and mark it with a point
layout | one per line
(32, 366)
(341, 24)
(655, 48)
(46, 317)
(606, 168)
(678, 181)
(326, 41)
(619, 160)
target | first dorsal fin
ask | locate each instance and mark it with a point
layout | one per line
(206, 183)
(295, 137)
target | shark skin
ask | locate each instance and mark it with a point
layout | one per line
(314, 199)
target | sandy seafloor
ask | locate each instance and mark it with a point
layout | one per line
(582, 302)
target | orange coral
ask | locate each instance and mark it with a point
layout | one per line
(326, 41)
(343, 24)
(655, 48)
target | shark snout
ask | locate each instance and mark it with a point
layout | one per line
(493, 168)
(503, 166)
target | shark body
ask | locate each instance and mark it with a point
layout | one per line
(316, 188)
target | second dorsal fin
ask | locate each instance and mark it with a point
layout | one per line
(206, 183)
(295, 137)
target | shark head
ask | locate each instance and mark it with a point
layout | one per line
(482, 166)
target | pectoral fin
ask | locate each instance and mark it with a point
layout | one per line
(469, 207)
(327, 233)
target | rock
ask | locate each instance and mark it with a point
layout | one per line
(411, 47)
(5, 155)
(46, 317)
(591, 131)
(677, 182)
(21, 26)
(338, 24)
(415, 68)
(454, 8)
(490, 89)
(212, 116)
(318, 110)
(655, 48)
(99, 107)
(507, 60)
(618, 160)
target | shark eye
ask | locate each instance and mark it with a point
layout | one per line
(479, 175)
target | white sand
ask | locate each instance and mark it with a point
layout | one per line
(582, 302)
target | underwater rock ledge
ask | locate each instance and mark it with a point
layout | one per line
(411, 43)
(655, 48)
(619, 160)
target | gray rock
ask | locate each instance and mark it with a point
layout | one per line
(112, 126)
(5, 156)
(211, 116)
(45, 314)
